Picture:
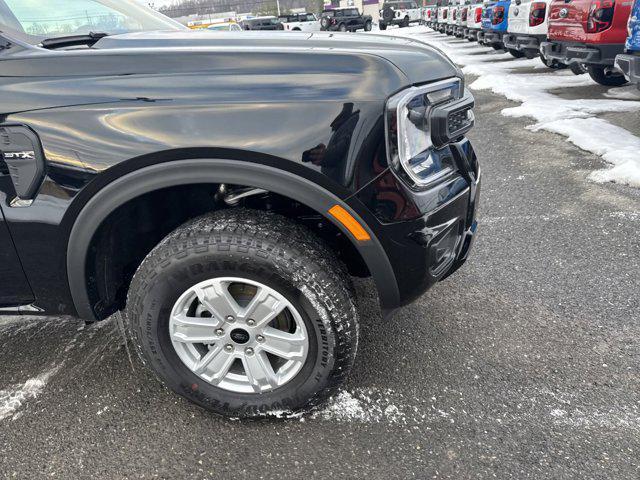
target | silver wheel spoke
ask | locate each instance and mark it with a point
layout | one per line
(194, 329)
(286, 345)
(210, 331)
(217, 299)
(215, 364)
(260, 372)
(264, 307)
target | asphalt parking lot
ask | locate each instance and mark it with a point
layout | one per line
(522, 365)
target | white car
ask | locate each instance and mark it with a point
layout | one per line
(451, 18)
(429, 15)
(401, 13)
(443, 16)
(460, 19)
(300, 22)
(528, 27)
(474, 21)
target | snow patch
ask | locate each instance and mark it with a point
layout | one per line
(369, 405)
(12, 398)
(630, 92)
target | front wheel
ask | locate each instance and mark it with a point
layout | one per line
(245, 313)
(606, 76)
(516, 53)
(342, 27)
(496, 46)
(383, 26)
(367, 26)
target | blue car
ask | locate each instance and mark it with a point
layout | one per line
(487, 14)
(629, 62)
(496, 23)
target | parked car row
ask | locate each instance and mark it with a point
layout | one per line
(601, 37)
(347, 19)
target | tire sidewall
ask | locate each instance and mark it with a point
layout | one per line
(599, 75)
(182, 274)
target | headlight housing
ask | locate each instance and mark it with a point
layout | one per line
(420, 121)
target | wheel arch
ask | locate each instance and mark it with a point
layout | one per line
(171, 173)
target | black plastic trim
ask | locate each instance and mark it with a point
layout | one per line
(589, 53)
(183, 172)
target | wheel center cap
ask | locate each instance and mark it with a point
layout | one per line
(239, 336)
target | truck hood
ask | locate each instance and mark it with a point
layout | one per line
(417, 60)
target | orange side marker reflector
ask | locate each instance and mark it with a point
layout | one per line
(350, 223)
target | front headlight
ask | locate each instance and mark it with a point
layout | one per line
(413, 126)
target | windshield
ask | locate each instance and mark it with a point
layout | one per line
(36, 20)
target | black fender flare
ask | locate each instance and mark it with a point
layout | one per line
(207, 170)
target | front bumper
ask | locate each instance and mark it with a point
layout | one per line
(594, 54)
(437, 238)
(630, 66)
(528, 44)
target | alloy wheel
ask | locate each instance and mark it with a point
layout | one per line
(239, 335)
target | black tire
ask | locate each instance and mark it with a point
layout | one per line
(405, 22)
(577, 68)
(606, 77)
(342, 27)
(383, 26)
(516, 53)
(264, 248)
(367, 26)
(324, 22)
(388, 14)
(496, 46)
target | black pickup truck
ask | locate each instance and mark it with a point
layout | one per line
(223, 196)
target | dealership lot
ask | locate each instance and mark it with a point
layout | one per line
(523, 365)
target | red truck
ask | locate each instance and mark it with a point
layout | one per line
(589, 33)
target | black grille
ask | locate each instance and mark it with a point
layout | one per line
(457, 121)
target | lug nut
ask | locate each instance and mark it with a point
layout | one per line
(219, 332)
(251, 322)
(248, 351)
(230, 318)
(259, 338)
(228, 347)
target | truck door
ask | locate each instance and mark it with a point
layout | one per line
(14, 287)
